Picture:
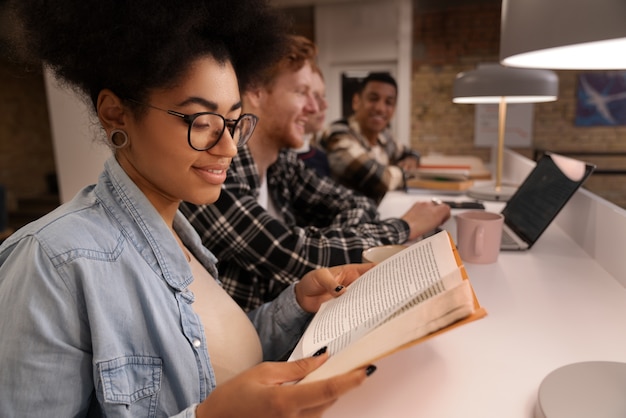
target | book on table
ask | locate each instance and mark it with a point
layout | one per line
(440, 173)
(414, 295)
(449, 164)
(447, 173)
(440, 184)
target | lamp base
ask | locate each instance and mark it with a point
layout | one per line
(491, 192)
(588, 389)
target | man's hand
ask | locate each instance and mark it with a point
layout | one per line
(423, 217)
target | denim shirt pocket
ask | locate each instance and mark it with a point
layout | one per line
(132, 382)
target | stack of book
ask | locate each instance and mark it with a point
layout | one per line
(447, 173)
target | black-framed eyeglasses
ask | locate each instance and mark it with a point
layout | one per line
(207, 128)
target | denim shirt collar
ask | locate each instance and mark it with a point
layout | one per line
(147, 231)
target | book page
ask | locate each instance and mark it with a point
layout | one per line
(400, 331)
(418, 273)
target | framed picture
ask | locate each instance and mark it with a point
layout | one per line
(601, 99)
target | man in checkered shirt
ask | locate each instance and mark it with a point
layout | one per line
(362, 153)
(275, 219)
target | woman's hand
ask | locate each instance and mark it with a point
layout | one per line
(317, 286)
(259, 392)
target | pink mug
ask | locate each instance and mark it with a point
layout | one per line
(478, 235)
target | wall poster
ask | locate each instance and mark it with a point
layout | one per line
(601, 99)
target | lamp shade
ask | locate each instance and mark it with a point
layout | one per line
(490, 82)
(494, 83)
(564, 34)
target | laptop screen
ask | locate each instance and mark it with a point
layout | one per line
(542, 195)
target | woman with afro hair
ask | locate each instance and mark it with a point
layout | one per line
(110, 305)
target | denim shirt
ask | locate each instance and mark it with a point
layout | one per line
(95, 315)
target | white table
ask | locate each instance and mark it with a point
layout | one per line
(547, 307)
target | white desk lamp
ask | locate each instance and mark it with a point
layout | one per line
(494, 83)
(571, 35)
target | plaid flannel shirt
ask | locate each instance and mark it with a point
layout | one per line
(354, 164)
(324, 224)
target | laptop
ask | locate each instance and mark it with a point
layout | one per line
(541, 196)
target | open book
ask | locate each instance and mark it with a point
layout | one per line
(417, 293)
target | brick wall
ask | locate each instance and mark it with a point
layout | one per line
(26, 153)
(449, 40)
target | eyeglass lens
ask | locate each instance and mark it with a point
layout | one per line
(207, 129)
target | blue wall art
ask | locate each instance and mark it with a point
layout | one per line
(601, 99)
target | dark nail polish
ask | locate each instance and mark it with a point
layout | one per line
(320, 351)
(338, 288)
(370, 369)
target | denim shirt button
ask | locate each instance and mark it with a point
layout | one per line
(196, 342)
